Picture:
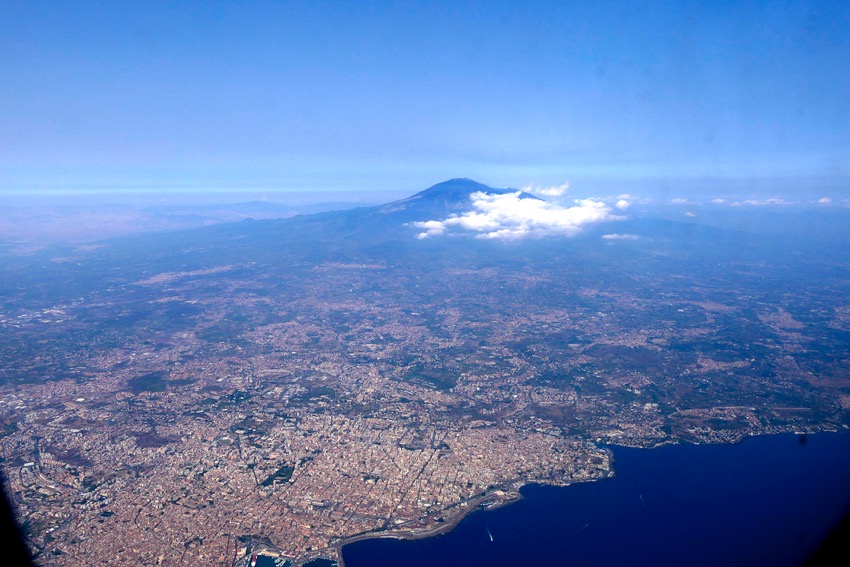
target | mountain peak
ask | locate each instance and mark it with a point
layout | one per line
(444, 198)
(458, 188)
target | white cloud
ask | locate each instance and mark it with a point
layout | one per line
(622, 204)
(553, 191)
(690, 214)
(824, 200)
(432, 228)
(679, 201)
(765, 202)
(508, 216)
(620, 236)
(768, 202)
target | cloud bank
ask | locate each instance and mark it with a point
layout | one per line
(510, 217)
(554, 191)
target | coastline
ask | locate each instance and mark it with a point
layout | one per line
(714, 485)
(499, 497)
(457, 513)
(491, 500)
(431, 525)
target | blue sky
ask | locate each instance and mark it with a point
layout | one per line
(364, 96)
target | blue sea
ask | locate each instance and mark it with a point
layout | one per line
(769, 500)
